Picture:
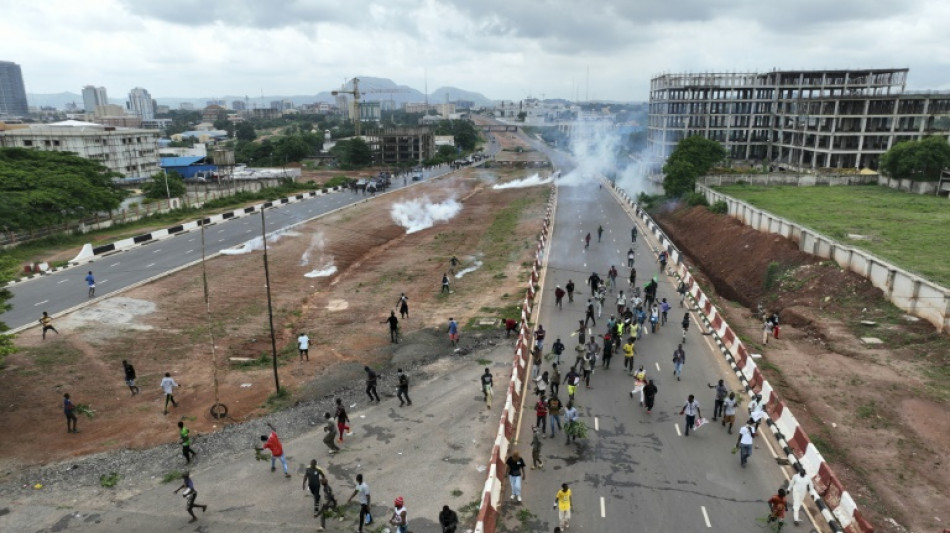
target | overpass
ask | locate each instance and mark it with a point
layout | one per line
(500, 127)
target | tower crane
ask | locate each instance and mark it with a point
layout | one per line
(357, 95)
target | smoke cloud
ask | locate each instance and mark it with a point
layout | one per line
(421, 213)
(595, 147)
(324, 260)
(257, 243)
(531, 181)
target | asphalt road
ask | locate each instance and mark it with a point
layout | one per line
(66, 289)
(636, 472)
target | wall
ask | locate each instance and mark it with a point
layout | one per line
(782, 178)
(909, 292)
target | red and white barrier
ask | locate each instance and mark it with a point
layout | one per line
(836, 504)
(488, 512)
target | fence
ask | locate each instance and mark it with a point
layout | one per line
(909, 292)
(836, 505)
(491, 496)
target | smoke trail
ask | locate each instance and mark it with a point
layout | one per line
(257, 243)
(531, 181)
(595, 147)
(421, 213)
(321, 272)
(317, 243)
(475, 266)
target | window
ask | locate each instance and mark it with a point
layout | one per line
(55, 142)
(27, 143)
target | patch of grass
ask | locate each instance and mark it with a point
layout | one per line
(52, 353)
(902, 226)
(525, 518)
(279, 400)
(867, 410)
(469, 510)
(827, 448)
(109, 480)
(456, 492)
(483, 362)
(174, 475)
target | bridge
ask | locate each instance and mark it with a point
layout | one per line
(500, 127)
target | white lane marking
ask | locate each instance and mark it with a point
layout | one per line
(156, 251)
(63, 281)
(150, 265)
(40, 303)
(220, 240)
(603, 508)
(220, 230)
(103, 281)
(248, 231)
(114, 264)
(596, 423)
(189, 251)
(191, 240)
(705, 515)
(677, 426)
(657, 366)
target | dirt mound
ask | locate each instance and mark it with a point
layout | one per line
(864, 379)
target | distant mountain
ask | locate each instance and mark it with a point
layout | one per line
(372, 89)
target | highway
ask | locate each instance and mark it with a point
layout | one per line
(636, 471)
(66, 290)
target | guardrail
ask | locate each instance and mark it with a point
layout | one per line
(491, 496)
(836, 505)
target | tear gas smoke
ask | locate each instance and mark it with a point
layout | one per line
(421, 213)
(531, 181)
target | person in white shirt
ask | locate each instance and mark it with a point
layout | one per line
(729, 410)
(757, 410)
(303, 346)
(691, 410)
(745, 440)
(798, 486)
(168, 385)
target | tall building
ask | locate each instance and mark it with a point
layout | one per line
(131, 152)
(798, 120)
(141, 104)
(93, 97)
(12, 91)
(238, 105)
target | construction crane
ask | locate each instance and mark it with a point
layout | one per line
(357, 94)
(356, 103)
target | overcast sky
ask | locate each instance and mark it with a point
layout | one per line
(505, 49)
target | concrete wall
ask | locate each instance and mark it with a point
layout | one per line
(782, 178)
(909, 292)
(916, 187)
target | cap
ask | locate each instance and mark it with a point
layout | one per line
(398, 501)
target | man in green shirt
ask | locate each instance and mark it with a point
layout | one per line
(185, 437)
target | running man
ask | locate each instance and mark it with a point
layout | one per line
(403, 304)
(47, 322)
(342, 419)
(403, 392)
(453, 332)
(184, 437)
(777, 507)
(570, 291)
(130, 377)
(630, 258)
(633, 235)
(311, 481)
(487, 383)
(454, 262)
(558, 297)
(190, 495)
(273, 444)
(91, 283)
(168, 386)
(587, 241)
(445, 283)
(393, 327)
(330, 429)
(362, 489)
(371, 379)
(562, 502)
(600, 231)
(685, 325)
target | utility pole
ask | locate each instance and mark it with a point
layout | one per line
(270, 308)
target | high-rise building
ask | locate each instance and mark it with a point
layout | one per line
(238, 105)
(12, 91)
(93, 97)
(141, 104)
(797, 120)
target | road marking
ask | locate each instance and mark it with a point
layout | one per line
(677, 426)
(63, 281)
(189, 251)
(190, 240)
(156, 251)
(705, 515)
(596, 423)
(103, 281)
(150, 265)
(248, 231)
(40, 303)
(657, 366)
(114, 264)
(220, 230)
(603, 508)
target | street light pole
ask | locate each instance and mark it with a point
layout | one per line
(270, 308)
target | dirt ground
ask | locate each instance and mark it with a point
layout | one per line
(164, 326)
(877, 412)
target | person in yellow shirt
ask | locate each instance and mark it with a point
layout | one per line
(562, 501)
(628, 353)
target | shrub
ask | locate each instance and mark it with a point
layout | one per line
(719, 207)
(695, 198)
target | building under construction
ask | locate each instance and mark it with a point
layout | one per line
(392, 146)
(799, 120)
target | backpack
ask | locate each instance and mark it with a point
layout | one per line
(403, 380)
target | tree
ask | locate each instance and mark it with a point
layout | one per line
(353, 153)
(921, 160)
(43, 188)
(156, 190)
(692, 158)
(245, 132)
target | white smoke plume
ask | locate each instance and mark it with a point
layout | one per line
(257, 243)
(317, 243)
(321, 272)
(421, 213)
(595, 146)
(475, 266)
(323, 259)
(531, 181)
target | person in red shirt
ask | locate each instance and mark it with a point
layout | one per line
(778, 505)
(272, 443)
(541, 410)
(342, 420)
(510, 325)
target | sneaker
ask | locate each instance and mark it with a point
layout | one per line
(631, 394)
(286, 475)
(519, 498)
(348, 433)
(273, 469)
(512, 496)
